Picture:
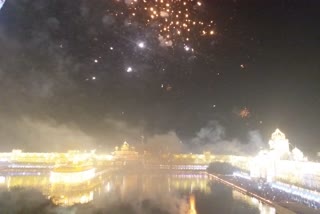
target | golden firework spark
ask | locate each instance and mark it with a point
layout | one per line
(174, 20)
(244, 113)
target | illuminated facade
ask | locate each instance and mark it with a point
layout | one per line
(18, 160)
(264, 164)
(206, 158)
(280, 164)
(279, 144)
(126, 152)
(69, 175)
(21, 158)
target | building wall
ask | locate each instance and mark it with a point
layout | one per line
(306, 174)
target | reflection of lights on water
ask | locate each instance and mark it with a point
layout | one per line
(2, 179)
(108, 187)
(86, 198)
(185, 167)
(254, 201)
(190, 182)
(263, 208)
(192, 205)
(69, 200)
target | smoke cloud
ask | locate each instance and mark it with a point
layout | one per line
(117, 131)
(147, 203)
(47, 135)
(49, 103)
(165, 143)
(213, 137)
(21, 200)
(165, 42)
(42, 135)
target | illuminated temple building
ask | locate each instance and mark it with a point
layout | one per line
(280, 148)
(125, 153)
(279, 163)
(279, 145)
(19, 159)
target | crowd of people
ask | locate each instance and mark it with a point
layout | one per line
(275, 192)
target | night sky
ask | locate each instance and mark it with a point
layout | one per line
(78, 66)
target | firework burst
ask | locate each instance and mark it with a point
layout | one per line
(174, 21)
